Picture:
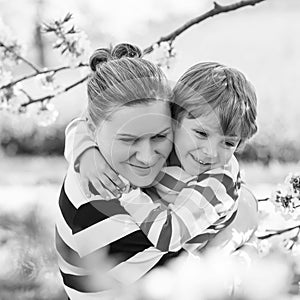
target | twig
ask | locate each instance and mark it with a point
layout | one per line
(49, 97)
(262, 200)
(295, 239)
(218, 9)
(278, 232)
(27, 62)
(54, 70)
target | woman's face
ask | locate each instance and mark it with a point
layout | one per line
(136, 141)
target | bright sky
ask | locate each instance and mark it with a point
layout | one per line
(117, 18)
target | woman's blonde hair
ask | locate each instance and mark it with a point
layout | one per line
(121, 77)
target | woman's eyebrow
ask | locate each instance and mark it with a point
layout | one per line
(128, 135)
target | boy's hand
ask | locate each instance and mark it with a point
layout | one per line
(94, 169)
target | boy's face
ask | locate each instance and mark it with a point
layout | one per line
(200, 144)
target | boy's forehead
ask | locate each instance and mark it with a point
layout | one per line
(210, 123)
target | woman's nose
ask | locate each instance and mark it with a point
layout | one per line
(145, 153)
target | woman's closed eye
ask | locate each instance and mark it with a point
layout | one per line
(159, 137)
(156, 138)
(129, 140)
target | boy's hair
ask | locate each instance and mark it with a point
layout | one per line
(211, 87)
(121, 77)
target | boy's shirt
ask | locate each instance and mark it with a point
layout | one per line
(78, 139)
(181, 210)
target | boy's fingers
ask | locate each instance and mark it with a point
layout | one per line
(109, 185)
(100, 189)
(116, 179)
(85, 187)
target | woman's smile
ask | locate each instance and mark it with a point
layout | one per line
(137, 140)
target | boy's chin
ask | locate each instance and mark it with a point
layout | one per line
(195, 168)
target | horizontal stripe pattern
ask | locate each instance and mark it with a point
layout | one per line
(202, 202)
(88, 234)
(87, 228)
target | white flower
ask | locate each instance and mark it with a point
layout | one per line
(46, 116)
(163, 55)
(8, 58)
(15, 103)
(47, 80)
(264, 246)
(5, 77)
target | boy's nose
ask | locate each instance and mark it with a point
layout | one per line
(210, 151)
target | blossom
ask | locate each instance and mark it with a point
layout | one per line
(46, 115)
(47, 81)
(287, 196)
(163, 54)
(10, 48)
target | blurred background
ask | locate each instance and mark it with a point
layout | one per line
(262, 41)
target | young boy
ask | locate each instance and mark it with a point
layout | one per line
(195, 196)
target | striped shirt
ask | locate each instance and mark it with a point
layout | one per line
(141, 230)
(202, 205)
(87, 228)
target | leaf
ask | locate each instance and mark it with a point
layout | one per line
(67, 17)
(57, 45)
(47, 28)
(72, 30)
(64, 50)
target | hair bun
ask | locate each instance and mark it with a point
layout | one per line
(126, 50)
(100, 56)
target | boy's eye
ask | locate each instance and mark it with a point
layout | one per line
(201, 133)
(230, 144)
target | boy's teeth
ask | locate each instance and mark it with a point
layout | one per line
(200, 161)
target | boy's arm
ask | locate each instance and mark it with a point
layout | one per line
(78, 140)
(82, 152)
(220, 188)
(197, 208)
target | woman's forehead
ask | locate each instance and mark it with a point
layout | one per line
(139, 120)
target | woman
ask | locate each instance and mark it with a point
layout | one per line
(128, 98)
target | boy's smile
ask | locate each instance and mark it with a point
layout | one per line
(200, 145)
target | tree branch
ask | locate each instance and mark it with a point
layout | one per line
(278, 232)
(218, 9)
(54, 70)
(51, 96)
(27, 62)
